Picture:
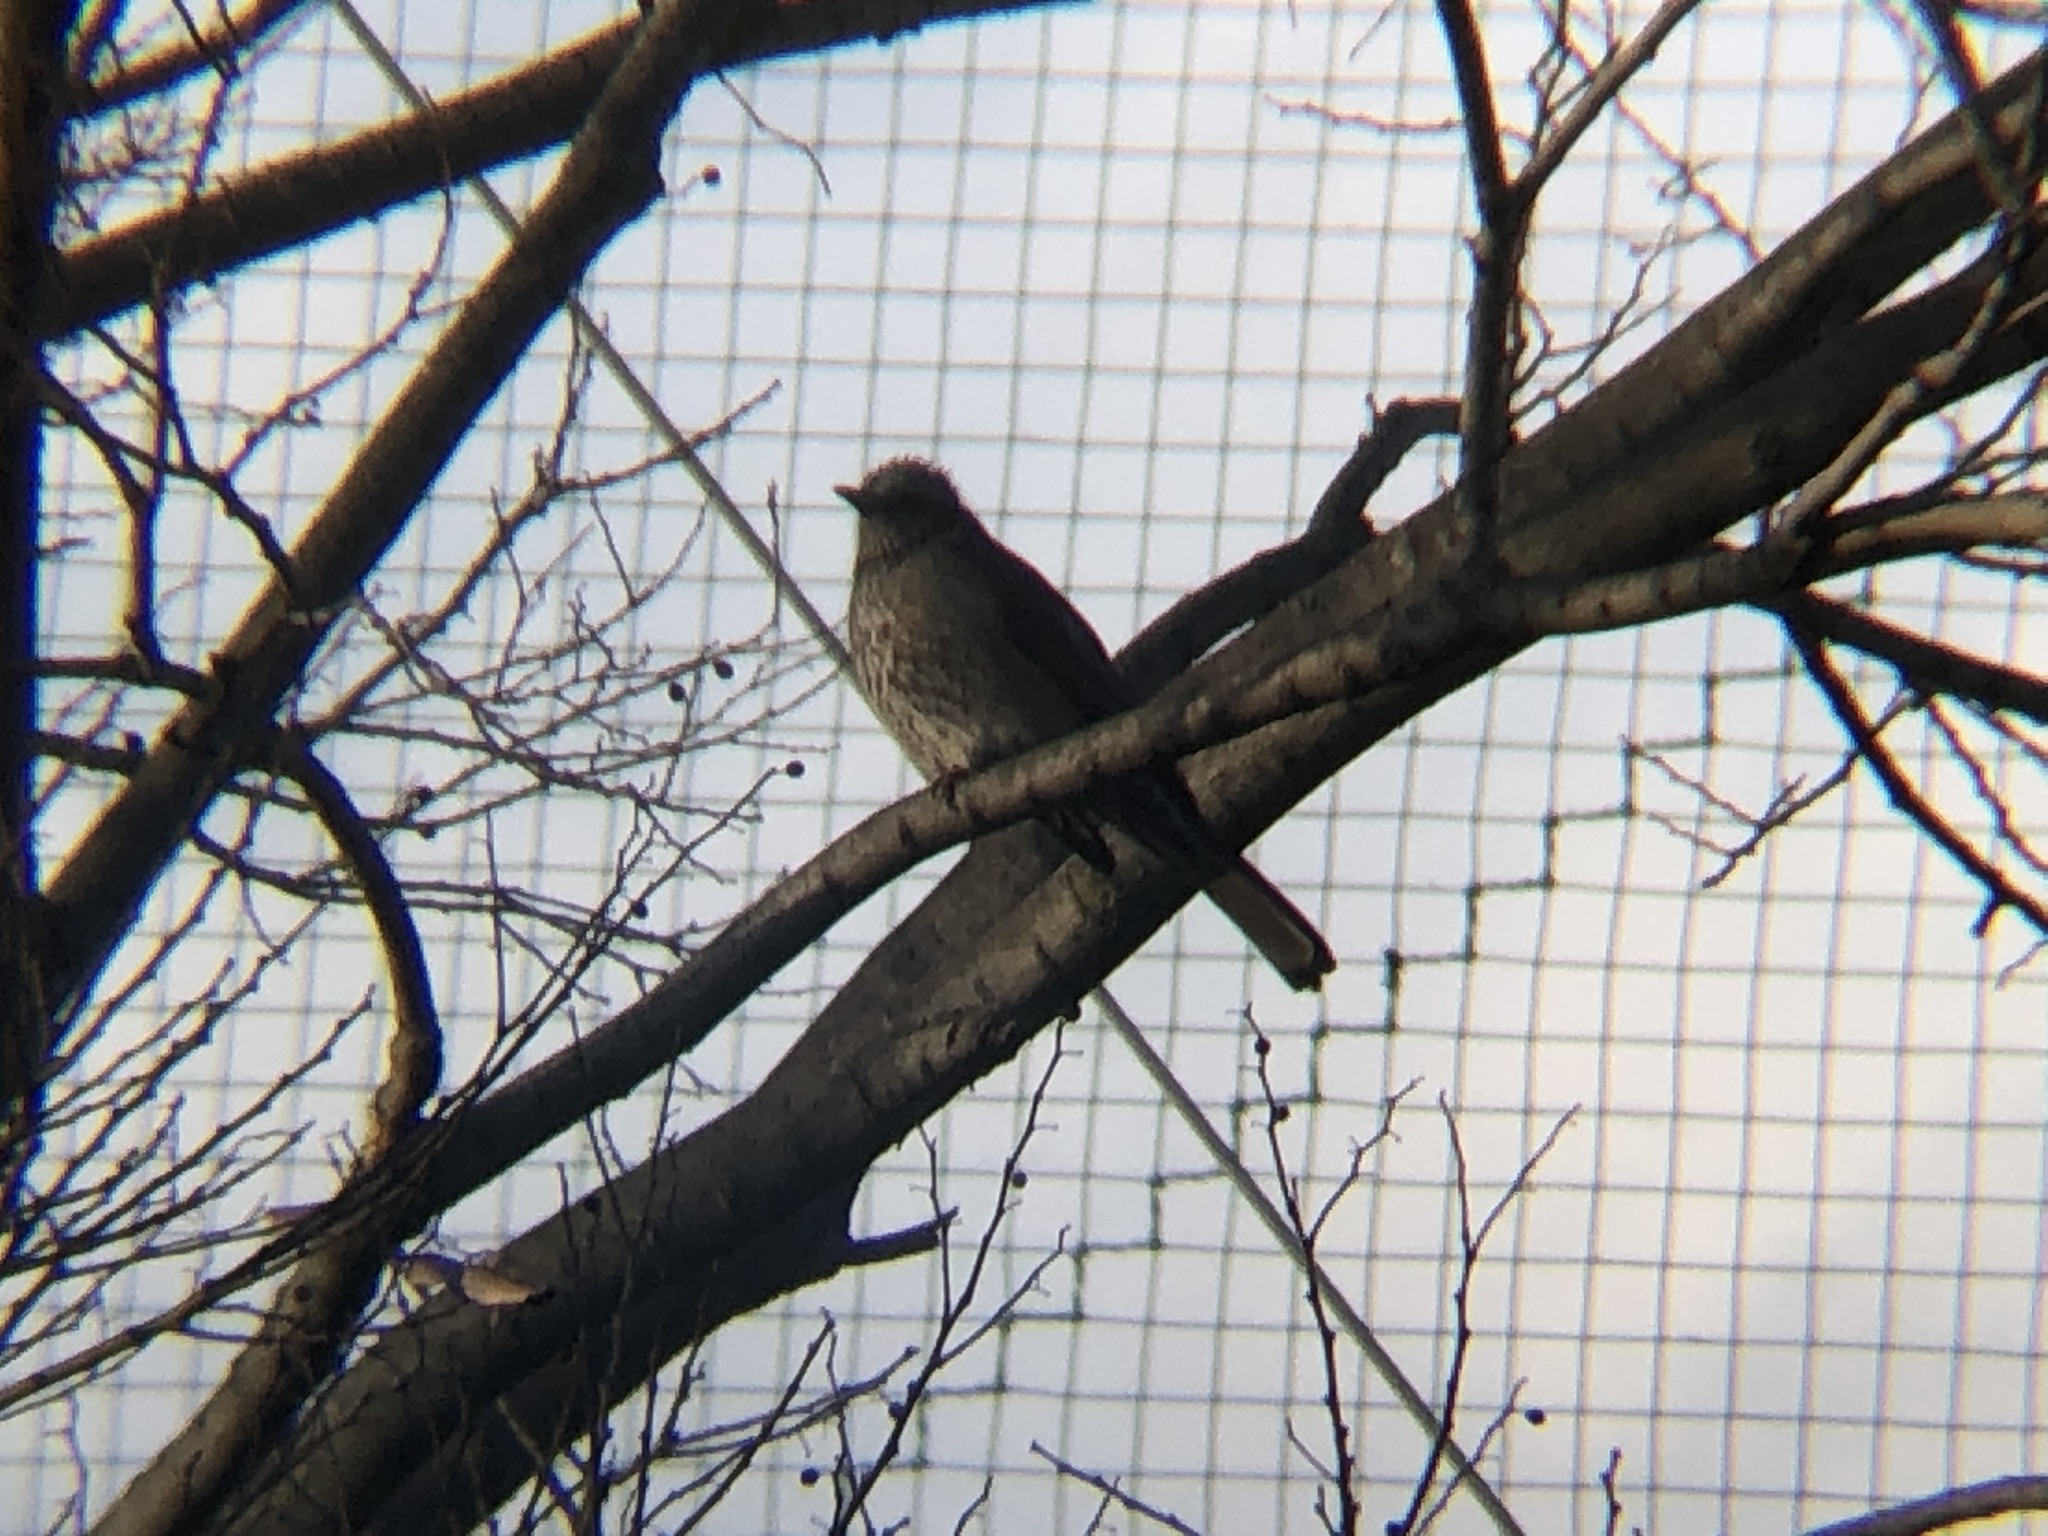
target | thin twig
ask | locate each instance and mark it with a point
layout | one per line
(1999, 892)
(1113, 1494)
(944, 1349)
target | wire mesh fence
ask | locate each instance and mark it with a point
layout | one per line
(1129, 271)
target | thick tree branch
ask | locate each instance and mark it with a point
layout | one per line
(301, 197)
(31, 112)
(1950, 1507)
(1862, 247)
(1787, 559)
(1674, 491)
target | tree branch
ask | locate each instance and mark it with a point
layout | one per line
(1194, 625)
(413, 1060)
(1999, 892)
(219, 44)
(607, 179)
(1786, 560)
(1017, 931)
(1924, 665)
(1952, 1506)
(301, 197)
(32, 36)
(1490, 343)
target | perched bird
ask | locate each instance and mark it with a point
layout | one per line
(968, 655)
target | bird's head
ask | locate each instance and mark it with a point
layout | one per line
(904, 503)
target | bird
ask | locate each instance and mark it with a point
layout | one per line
(968, 655)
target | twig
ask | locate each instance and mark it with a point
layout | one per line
(1341, 1475)
(789, 140)
(227, 47)
(1924, 665)
(2007, 829)
(1998, 891)
(1502, 1417)
(975, 1505)
(943, 1350)
(743, 1458)
(1600, 88)
(1608, 1486)
(1471, 1243)
(1113, 1494)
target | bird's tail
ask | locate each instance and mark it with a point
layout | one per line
(1277, 928)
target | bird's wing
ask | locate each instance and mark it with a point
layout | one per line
(1050, 634)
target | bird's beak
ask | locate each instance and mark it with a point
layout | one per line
(850, 494)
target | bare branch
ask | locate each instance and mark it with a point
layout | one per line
(1600, 88)
(1999, 891)
(943, 1349)
(414, 1055)
(1926, 666)
(1471, 1245)
(1609, 1484)
(1113, 1494)
(1952, 1506)
(606, 180)
(223, 46)
(32, 34)
(1342, 1476)
(1790, 555)
(1497, 269)
(1337, 527)
(301, 197)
